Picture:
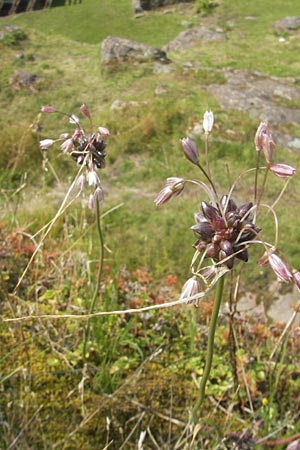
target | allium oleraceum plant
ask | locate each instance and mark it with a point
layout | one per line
(225, 231)
(87, 148)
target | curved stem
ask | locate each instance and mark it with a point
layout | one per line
(210, 348)
(98, 282)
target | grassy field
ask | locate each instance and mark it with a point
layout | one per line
(140, 372)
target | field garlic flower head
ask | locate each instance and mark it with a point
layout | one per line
(87, 148)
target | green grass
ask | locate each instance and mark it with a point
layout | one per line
(144, 243)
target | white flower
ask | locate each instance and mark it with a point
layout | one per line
(190, 289)
(208, 121)
(91, 201)
(81, 180)
(67, 146)
(93, 179)
(74, 119)
(46, 143)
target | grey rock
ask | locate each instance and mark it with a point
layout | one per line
(118, 50)
(189, 37)
(153, 4)
(287, 24)
(22, 79)
(256, 94)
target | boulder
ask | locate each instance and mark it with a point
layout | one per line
(118, 50)
(189, 37)
(262, 97)
(153, 4)
(22, 79)
(288, 24)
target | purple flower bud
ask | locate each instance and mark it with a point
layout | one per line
(208, 122)
(279, 268)
(85, 111)
(190, 150)
(46, 143)
(282, 170)
(48, 109)
(190, 288)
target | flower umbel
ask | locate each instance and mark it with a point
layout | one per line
(85, 147)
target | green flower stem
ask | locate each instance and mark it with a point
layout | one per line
(98, 282)
(210, 348)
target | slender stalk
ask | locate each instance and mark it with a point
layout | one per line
(98, 281)
(206, 155)
(210, 348)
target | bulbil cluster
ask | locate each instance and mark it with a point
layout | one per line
(223, 231)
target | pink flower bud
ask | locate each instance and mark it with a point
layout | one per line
(208, 122)
(48, 109)
(283, 170)
(190, 150)
(279, 268)
(85, 111)
(264, 141)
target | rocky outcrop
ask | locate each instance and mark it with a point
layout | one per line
(118, 50)
(262, 97)
(189, 37)
(288, 24)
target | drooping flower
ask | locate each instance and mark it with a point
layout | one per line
(222, 234)
(48, 109)
(46, 143)
(190, 288)
(282, 170)
(173, 187)
(208, 122)
(264, 141)
(279, 267)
